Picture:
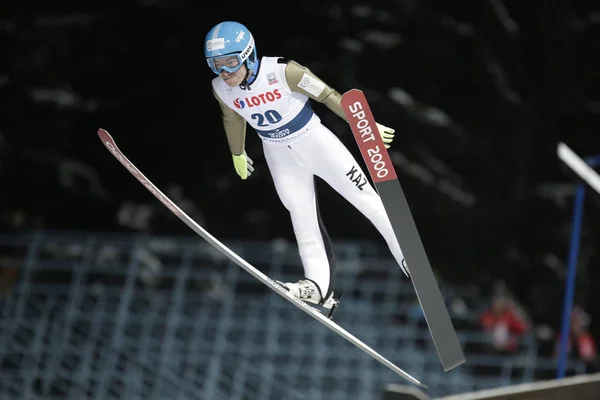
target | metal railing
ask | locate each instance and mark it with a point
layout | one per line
(115, 316)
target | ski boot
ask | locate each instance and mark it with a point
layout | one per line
(309, 292)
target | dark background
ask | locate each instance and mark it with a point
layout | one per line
(479, 92)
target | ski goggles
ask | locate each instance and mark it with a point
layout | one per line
(230, 63)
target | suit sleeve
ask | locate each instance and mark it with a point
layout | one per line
(235, 127)
(300, 79)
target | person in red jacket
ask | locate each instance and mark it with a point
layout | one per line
(581, 344)
(504, 324)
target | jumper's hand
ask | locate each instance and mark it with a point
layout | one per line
(243, 165)
(387, 134)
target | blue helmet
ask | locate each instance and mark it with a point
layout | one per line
(230, 39)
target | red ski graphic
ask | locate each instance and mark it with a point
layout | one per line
(382, 173)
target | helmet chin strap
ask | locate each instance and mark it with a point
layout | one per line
(245, 85)
(250, 75)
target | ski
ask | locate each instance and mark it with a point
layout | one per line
(110, 144)
(381, 170)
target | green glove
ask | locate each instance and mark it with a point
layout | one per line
(243, 165)
(387, 134)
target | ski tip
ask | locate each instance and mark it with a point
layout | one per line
(424, 386)
(104, 135)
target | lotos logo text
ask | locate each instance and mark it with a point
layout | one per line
(253, 101)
